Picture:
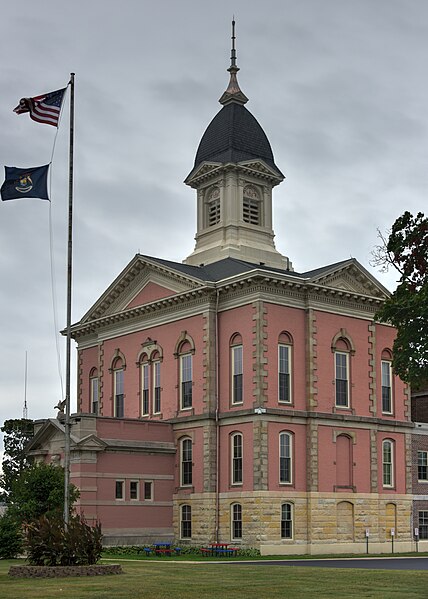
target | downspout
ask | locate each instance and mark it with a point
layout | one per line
(217, 425)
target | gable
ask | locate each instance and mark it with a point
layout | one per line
(141, 282)
(150, 292)
(352, 277)
(49, 439)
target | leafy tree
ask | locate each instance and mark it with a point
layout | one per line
(11, 538)
(38, 491)
(407, 309)
(17, 433)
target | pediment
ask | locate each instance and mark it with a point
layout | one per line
(50, 439)
(90, 443)
(204, 170)
(51, 431)
(143, 281)
(149, 293)
(352, 277)
(259, 167)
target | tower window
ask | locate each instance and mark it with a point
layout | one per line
(251, 211)
(214, 212)
(251, 206)
(213, 207)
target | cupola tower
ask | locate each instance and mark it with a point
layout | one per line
(234, 174)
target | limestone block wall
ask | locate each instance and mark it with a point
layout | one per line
(322, 523)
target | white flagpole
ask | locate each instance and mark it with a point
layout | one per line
(69, 284)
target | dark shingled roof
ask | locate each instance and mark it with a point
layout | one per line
(234, 135)
(217, 271)
(229, 267)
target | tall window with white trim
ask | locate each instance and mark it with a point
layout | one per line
(423, 466)
(388, 463)
(342, 379)
(186, 521)
(94, 391)
(285, 458)
(119, 404)
(236, 466)
(186, 474)
(287, 521)
(156, 387)
(237, 372)
(236, 524)
(145, 404)
(386, 368)
(284, 373)
(186, 381)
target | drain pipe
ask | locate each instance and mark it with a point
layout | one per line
(217, 425)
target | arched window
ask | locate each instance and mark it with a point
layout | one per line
(236, 353)
(287, 521)
(284, 368)
(149, 361)
(388, 463)
(145, 385)
(236, 445)
(185, 522)
(251, 206)
(118, 388)
(386, 373)
(185, 349)
(186, 470)
(94, 391)
(156, 384)
(236, 521)
(342, 348)
(285, 458)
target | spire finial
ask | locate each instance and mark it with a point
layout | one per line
(233, 55)
(233, 92)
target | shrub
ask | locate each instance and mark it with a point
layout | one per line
(190, 550)
(11, 539)
(50, 542)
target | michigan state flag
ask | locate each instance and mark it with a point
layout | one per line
(25, 183)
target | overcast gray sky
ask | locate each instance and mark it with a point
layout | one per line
(339, 86)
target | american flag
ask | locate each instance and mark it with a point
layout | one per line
(43, 109)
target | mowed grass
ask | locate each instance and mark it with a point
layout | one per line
(181, 580)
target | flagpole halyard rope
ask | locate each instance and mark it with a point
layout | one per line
(52, 267)
(54, 301)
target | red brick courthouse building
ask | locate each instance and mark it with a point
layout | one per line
(228, 396)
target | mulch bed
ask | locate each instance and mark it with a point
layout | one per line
(61, 571)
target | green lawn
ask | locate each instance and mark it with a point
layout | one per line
(179, 580)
